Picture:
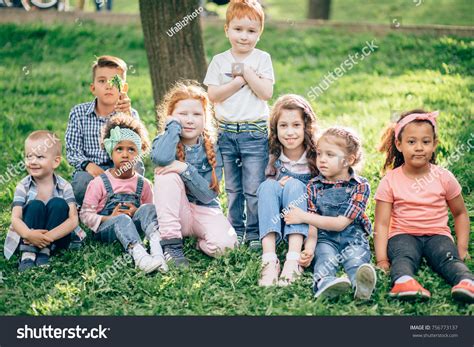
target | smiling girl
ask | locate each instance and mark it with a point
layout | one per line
(187, 177)
(292, 163)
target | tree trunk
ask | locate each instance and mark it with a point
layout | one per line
(173, 42)
(319, 9)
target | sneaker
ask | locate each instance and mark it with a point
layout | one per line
(42, 259)
(270, 272)
(409, 290)
(291, 272)
(26, 264)
(365, 278)
(240, 240)
(334, 288)
(143, 260)
(173, 252)
(255, 245)
(156, 251)
(464, 291)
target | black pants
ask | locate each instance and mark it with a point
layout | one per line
(405, 253)
(37, 215)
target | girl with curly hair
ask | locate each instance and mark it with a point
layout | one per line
(187, 177)
(292, 163)
(119, 203)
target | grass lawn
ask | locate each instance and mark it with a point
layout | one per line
(449, 12)
(45, 71)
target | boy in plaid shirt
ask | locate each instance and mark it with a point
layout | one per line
(83, 150)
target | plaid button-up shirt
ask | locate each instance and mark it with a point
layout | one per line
(354, 207)
(83, 135)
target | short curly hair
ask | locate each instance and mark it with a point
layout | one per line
(123, 120)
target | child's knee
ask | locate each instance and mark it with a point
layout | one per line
(169, 178)
(294, 185)
(56, 204)
(146, 209)
(268, 186)
(36, 206)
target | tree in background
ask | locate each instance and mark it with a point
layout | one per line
(173, 42)
(319, 9)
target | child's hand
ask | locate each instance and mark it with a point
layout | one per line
(94, 169)
(383, 265)
(176, 167)
(117, 211)
(283, 180)
(306, 257)
(39, 238)
(464, 254)
(295, 216)
(123, 104)
(240, 80)
(131, 209)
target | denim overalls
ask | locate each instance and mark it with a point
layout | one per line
(274, 201)
(349, 247)
(122, 227)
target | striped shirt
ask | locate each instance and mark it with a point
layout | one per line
(26, 190)
(83, 135)
(355, 207)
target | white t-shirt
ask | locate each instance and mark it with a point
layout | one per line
(244, 105)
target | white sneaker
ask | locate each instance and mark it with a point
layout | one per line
(366, 278)
(156, 251)
(334, 288)
(143, 260)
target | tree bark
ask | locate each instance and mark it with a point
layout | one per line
(173, 42)
(319, 9)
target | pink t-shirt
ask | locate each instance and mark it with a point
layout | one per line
(419, 205)
(96, 196)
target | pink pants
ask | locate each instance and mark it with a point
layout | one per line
(177, 217)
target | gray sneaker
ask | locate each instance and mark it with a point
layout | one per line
(173, 252)
(334, 288)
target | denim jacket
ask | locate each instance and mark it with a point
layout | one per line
(198, 174)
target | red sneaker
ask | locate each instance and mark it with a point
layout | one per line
(410, 289)
(463, 291)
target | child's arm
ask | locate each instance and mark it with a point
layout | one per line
(67, 226)
(461, 224)
(298, 216)
(35, 237)
(74, 141)
(224, 91)
(383, 213)
(262, 87)
(163, 151)
(307, 254)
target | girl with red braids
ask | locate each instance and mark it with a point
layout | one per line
(187, 177)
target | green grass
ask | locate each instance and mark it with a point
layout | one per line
(45, 71)
(449, 12)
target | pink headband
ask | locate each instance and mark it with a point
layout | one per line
(430, 117)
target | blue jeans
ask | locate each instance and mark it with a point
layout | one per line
(81, 179)
(245, 157)
(126, 230)
(273, 198)
(349, 248)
